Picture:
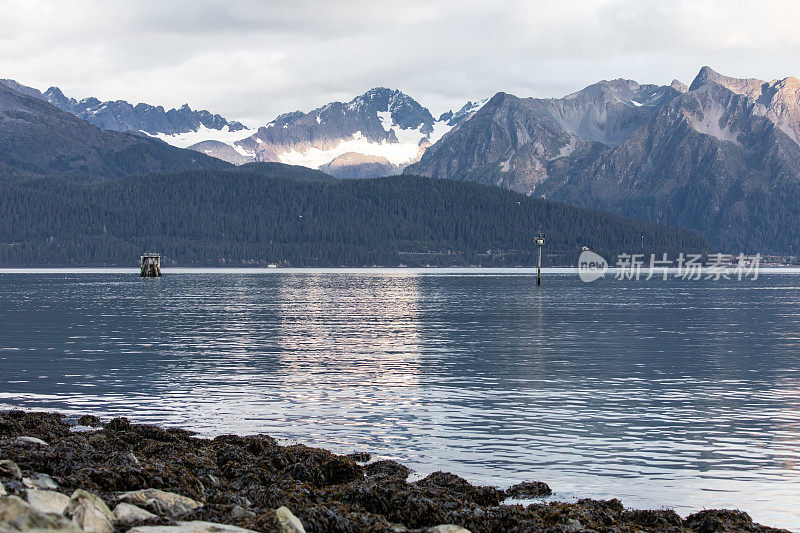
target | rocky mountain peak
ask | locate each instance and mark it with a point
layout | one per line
(737, 85)
(14, 85)
(679, 86)
(778, 100)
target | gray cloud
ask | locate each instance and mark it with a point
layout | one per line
(251, 60)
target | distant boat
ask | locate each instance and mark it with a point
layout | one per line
(150, 265)
(272, 265)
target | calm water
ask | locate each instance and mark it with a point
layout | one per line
(661, 393)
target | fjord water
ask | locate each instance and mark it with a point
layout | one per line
(660, 393)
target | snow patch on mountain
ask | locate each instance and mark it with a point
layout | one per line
(202, 133)
(398, 153)
(411, 142)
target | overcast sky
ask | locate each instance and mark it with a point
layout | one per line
(251, 60)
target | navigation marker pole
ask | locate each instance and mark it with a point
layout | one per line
(539, 241)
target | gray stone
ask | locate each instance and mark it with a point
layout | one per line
(160, 502)
(126, 513)
(82, 429)
(18, 515)
(30, 440)
(90, 512)
(447, 528)
(2, 490)
(288, 521)
(47, 501)
(196, 526)
(240, 513)
(9, 468)
(40, 481)
(573, 524)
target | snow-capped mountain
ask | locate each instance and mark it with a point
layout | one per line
(180, 127)
(376, 134)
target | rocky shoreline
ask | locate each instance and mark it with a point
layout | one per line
(76, 475)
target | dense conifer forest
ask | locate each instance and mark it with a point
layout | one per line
(265, 214)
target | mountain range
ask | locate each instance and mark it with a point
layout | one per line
(376, 134)
(180, 127)
(720, 156)
(38, 139)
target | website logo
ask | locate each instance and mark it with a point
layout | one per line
(591, 266)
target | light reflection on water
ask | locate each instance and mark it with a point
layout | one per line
(661, 393)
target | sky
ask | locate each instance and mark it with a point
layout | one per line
(252, 60)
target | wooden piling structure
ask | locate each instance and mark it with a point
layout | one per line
(539, 242)
(151, 265)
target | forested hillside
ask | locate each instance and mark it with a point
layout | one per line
(237, 217)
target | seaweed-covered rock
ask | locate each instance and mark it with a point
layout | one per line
(718, 521)
(655, 519)
(388, 469)
(461, 488)
(359, 457)
(43, 426)
(232, 482)
(89, 421)
(529, 489)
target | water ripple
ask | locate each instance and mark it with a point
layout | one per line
(659, 393)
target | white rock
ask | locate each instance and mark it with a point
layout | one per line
(196, 526)
(47, 501)
(288, 521)
(447, 528)
(90, 512)
(2, 490)
(30, 440)
(167, 503)
(40, 481)
(126, 513)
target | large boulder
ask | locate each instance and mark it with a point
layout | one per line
(90, 512)
(18, 515)
(127, 514)
(47, 501)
